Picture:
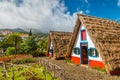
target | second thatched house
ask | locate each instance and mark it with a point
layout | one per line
(96, 43)
(58, 44)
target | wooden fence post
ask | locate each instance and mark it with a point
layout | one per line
(5, 71)
(55, 70)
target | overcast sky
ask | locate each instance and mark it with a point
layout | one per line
(45, 15)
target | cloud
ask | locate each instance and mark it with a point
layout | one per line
(118, 3)
(86, 1)
(43, 15)
(87, 11)
(118, 20)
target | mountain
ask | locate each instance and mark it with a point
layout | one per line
(34, 31)
(19, 30)
(15, 30)
(39, 33)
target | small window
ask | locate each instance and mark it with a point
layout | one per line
(83, 35)
(76, 51)
(51, 50)
(93, 52)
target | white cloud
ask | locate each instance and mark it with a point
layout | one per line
(80, 12)
(43, 15)
(86, 1)
(118, 20)
(87, 11)
(118, 3)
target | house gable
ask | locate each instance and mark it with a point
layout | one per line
(105, 35)
(76, 57)
(59, 42)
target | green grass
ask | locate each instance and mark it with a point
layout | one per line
(99, 69)
(68, 60)
(25, 73)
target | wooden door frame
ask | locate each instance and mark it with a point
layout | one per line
(86, 43)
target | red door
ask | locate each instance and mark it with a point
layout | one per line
(84, 55)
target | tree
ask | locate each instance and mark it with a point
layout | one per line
(42, 43)
(29, 45)
(5, 44)
(14, 40)
(30, 33)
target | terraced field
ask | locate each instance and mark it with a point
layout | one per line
(24, 72)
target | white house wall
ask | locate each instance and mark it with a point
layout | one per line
(90, 44)
(77, 44)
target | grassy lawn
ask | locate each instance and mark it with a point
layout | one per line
(32, 72)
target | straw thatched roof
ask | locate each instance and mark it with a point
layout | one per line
(105, 34)
(60, 43)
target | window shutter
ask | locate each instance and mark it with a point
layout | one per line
(77, 51)
(96, 52)
(89, 53)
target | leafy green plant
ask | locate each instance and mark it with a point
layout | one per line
(42, 45)
(68, 60)
(2, 78)
(10, 51)
(25, 60)
(26, 73)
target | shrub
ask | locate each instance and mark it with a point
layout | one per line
(10, 51)
(2, 78)
(25, 60)
(39, 54)
(68, 60)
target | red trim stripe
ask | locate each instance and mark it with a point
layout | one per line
(93, 63)
(75, 59)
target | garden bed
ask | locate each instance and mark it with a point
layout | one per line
(18, 56)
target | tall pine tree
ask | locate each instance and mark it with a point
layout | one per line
(30, 33)
(29, 45)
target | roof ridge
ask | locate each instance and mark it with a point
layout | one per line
(60, 31)
(106, 19)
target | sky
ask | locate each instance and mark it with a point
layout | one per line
(59, 15)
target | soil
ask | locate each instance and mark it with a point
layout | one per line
(77, 72)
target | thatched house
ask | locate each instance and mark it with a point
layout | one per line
(58, 44)
(96, 42)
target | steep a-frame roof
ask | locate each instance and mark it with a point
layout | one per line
(105, 34)
(60, 42)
